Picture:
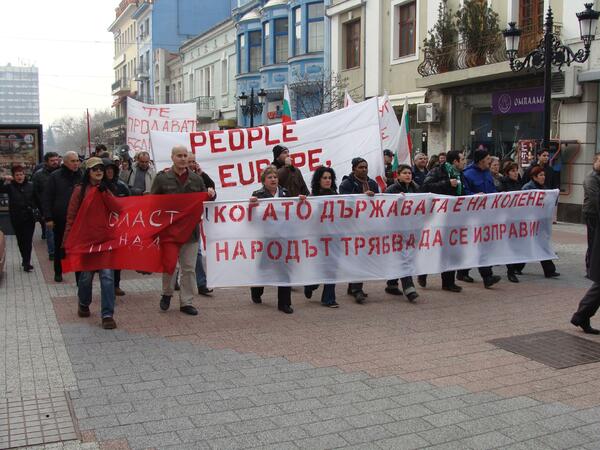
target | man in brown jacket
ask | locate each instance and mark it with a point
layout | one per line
(289, 177)
(180, 180)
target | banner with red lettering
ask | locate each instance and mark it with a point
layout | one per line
(137, 233)
(334, 239)
(235, 158)
(143, 118)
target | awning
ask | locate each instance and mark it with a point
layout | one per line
(414, 97)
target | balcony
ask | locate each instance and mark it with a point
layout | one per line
(205, 107)
(114, 123)
(142, 72)
(120, 87)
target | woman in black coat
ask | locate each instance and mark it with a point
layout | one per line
(21, 208)
(323, 183)
(511, 181)
(271, 189)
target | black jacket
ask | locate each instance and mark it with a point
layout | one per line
(39, 180)
(398, 188)
(594, 270)
(552, 180)
(58, 193)
(438, 182)
(20, 201)
(263, 193)
(508, 185)
(351, 185)
(419, 176)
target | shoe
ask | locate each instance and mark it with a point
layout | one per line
(488, 282)
(331, 305)
(393, 290)
(83, 311)
(360, 297)
(58, 278)
(120, 292)
(585, 326)
(203, 290)
(552, 275)
(51, 257)
(308, 292)
(189, 309)
(286, 309)
(453, 288)
(165, 302)
(512, 278)
(256, 299)
(28, 268)
(108, 323)
(422, 280)
(412, 296)
(465, 278)
(177, 287)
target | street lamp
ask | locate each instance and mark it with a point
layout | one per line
(551, 52)
(252, 105)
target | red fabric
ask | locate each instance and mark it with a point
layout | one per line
(138, 233)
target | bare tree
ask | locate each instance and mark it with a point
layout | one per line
(71, 133)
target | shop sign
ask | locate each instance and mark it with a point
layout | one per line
(518, 101)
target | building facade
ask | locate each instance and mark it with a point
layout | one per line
(19, 95)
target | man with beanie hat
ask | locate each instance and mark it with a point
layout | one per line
(290, 178)
(479, 180)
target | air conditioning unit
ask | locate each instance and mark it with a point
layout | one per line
(428, 113)
(565, 84)
(216, 115)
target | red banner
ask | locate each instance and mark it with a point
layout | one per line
(137, 233)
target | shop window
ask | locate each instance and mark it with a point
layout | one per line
(406, 28)
(298, 31)
(281, 41)
(267, 44)
(315, 20)
(255, 51)
(352, 41)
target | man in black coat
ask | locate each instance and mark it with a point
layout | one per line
(56, 201)
(39, 180)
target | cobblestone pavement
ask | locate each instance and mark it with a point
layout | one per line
(386, 374)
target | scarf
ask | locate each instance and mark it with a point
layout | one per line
(454, 174)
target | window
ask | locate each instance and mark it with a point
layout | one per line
(243, 61)
(167, 94)
(316, 12)
(255, 51)
(298, 31)
(267, 34)
(281, 41)
(191, 85)
(224, 77)
(531, 22)
(147, 27)
(352, 39)
(406, 15)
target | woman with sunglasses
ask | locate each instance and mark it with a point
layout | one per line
(93, 179)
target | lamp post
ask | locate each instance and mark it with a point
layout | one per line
(551, 52)
(252, 105)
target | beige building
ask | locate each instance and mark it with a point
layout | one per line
(473, 97)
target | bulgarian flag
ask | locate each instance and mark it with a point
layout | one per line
(286, 115)
(403, 154)
(348, 99)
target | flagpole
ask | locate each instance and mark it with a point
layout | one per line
(87, 113)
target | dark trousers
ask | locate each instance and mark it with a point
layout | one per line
(547, 265)
(483, 271)
(407, 283)
(591, 222)
(589, 304)
(511, 269)
(59, 252)
(448, 279)
(117, 278)
(24, 233)
(328, 295)
(284, 295)
(355, 287)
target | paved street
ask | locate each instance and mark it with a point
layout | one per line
(384, 375)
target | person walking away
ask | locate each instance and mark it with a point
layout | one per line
(479, 180)
(403, 185)
(179, 180)
(446, 180)
(591, 196)
(56, 201)
(92, 180)
(39, 180)
(511, 182)
(358, 182)
(22, 211)
(289, 176)
(272, 189)
(142, 175)
(323, 183)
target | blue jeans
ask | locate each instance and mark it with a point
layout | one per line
(50, 241)
(328, 295)
(107, 290)
(200, 273)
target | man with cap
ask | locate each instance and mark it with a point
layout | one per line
(290, 177)
(358, 182)
(479, 180)
(388, 159)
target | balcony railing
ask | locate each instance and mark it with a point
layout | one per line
(489, 51)
(121, 85)
(205, 106)
(117, 122)
(142, 72)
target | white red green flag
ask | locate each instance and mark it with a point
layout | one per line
(287, 106)
(348, 99)
(403, 153)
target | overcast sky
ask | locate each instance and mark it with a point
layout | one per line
(67, 40)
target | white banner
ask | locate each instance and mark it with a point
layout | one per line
(143, 118)
(334, 239)
(235, 158)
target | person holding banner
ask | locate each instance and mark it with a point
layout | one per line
(290, 178)
(420, 168)
(92, 179)
(272, 189)
(358, 182)
(403, 185)
(323, 183)
(179, 180)
(511, 182)
(446, 180)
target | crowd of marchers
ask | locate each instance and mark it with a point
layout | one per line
(57, 189)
